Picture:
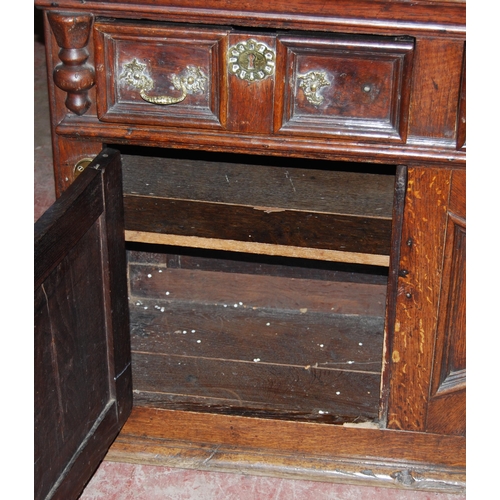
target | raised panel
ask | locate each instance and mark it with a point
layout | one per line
(449, 371)
(346, 86)
(170, 63)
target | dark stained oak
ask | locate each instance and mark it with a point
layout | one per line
(338, 217)
(82, 348)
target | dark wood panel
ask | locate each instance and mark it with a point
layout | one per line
(269, 292)
(341, 211)
(233, 262)
(336, 341)
(261, 182)
(200, 337)
(82, 344)
(164, 55)
(277, 387)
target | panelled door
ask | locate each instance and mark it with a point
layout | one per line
(83, 389)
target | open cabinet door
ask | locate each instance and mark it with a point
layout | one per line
(83, 387)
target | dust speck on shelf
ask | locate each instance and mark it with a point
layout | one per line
(150, 276)
(167, 293)
(268, 324)
(256, 360)
(337, 393)
(198, 341)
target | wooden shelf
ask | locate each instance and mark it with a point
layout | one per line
(288, 210)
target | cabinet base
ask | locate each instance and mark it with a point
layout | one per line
(353, 454)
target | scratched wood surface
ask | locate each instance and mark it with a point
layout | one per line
(259, 344)
(293, 206)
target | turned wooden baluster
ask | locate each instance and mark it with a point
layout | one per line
(73, 75)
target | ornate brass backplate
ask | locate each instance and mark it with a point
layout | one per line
(191, 81)
(311, 83)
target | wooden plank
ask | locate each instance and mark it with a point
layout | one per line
(223, 341)
(277, 387)
(298, 450)
(264, 265)
(270, 292)
(336, 341)
(257, 248)
(273, 205)
(274, 183)
(83, 391)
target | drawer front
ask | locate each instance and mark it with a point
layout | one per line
(160, 75)
(344, 86)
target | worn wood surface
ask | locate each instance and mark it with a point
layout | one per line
(82, 348)
(449, 368)
(298, 450)
(166, 53)
(432, 145)
(368, 87)
(274, 205)
(256, 343)
(419, 290)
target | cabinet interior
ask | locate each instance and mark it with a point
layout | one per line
(223, 317)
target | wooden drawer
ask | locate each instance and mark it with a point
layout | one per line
(176, 68)
(345, 86)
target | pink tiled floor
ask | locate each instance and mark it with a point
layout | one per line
(117, 481)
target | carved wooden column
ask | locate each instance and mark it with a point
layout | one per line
(73, 75)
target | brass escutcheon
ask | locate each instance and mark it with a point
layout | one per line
(251, 60)
(80, 166)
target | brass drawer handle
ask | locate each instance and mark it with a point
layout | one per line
(190, 81)
(311, 83)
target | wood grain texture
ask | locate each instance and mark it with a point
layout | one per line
(366, 16)
(166, 53)
(82, 350)
(292, 449)
(255, 291)
(280, 346)
(449, 369)
(342, 211)
(368, 86)
(418, 297)
(435, 96)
